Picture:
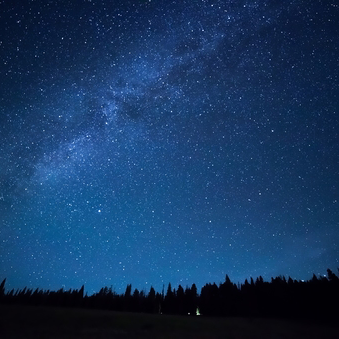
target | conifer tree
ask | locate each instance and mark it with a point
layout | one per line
(2, 288)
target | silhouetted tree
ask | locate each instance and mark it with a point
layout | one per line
(209, 300)
(151, 304)
(331, 276)
(2, 289)
(127, 298)
(128, 291)
(168, 305)
(191, 299)
(181, 307)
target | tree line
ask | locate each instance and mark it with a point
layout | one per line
(284, 298)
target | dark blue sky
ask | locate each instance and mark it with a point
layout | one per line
(149, 142)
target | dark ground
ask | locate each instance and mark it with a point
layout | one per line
(44, 322)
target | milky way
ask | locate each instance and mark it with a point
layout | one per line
(149, 142)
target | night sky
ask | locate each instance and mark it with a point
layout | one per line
(149, 142)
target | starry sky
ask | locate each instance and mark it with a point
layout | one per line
(156, 141)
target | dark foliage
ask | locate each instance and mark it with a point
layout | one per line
(317, 298)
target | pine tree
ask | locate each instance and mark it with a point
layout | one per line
(128, 291)
(2, 288)
(331, 276)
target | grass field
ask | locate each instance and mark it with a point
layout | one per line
(42, 322)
